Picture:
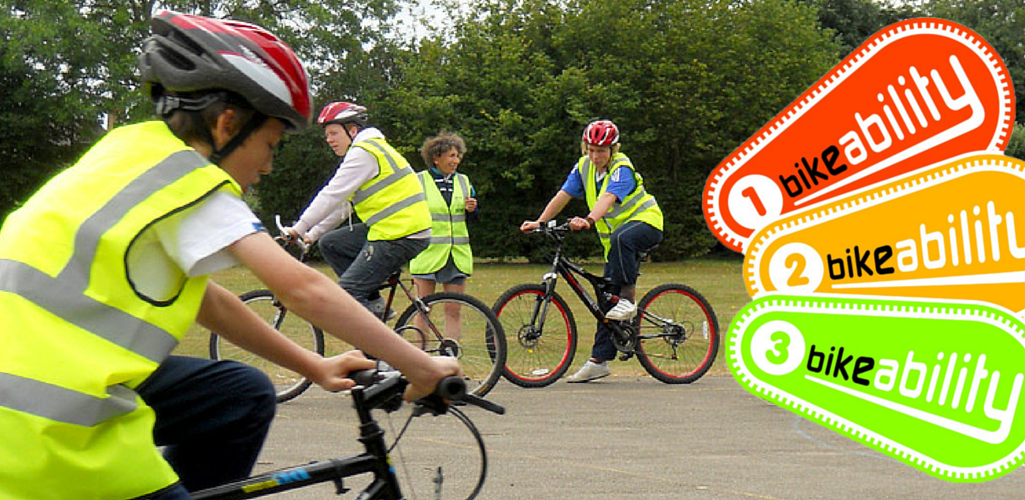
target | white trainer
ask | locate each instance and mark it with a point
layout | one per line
(590, 371)
(623, 311)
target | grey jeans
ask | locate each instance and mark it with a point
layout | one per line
(363, 265)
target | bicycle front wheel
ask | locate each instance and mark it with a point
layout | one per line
(288, 384)
(437, 456)
(456, 324)
(545, 335)
(678, 334)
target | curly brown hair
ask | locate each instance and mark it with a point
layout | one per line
(440, 144)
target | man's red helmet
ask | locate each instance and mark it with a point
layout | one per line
(601, 133)
(342, 112)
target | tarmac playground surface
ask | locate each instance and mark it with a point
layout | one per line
(637, 438)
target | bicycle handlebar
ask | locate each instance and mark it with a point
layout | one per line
(383, 388)
(284, 235)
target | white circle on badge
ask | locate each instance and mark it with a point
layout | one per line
(796, 268)
(777, 347)
(755, 201)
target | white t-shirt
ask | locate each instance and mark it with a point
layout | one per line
(191, 243)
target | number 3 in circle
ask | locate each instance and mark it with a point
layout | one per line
(777, 347)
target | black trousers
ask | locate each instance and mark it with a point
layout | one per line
(211, 418)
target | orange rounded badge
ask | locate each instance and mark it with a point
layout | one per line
(916, 93)
(952, 231)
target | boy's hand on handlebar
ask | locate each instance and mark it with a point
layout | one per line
(336, 369)
(529, 225)
(427, 380)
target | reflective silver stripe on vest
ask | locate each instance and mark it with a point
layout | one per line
(396, 174)
(445, 217)
(464, 184)
(64, 297)
(104, 321)
(363, 194)
(630, 202)
(379, 216)
(450, 240)
(64, 405)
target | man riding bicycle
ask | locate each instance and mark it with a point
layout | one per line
(105, 268)
(377, 183)
(628, 221)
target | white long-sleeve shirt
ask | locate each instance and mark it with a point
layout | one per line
(331, 205)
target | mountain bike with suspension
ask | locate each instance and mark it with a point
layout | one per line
(675, 335)
(444, 323)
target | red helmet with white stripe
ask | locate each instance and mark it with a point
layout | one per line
(601, 133)
(189, 53)
(342, 112)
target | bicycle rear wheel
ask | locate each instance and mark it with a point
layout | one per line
(678, 334)
(460, 325)
(288, 384)
(437, 456)
(543, 347)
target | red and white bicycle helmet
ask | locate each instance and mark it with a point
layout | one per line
(189, 53)
(342, 112)
(601, 133)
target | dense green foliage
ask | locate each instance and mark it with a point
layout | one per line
(687, 81)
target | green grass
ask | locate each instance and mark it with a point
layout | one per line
(720, 280)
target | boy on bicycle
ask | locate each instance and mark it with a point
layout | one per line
(105, 268)
(627, 219)
(376, 182)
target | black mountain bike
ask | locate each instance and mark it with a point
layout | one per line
(441, 435)
(675, 334)
(444, 323)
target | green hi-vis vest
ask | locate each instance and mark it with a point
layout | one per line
(448, 228)
(392, 203)
(638, 205)
(77, 336)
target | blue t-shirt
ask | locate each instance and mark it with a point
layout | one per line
(621, 183)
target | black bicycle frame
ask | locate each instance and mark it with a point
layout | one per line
(375, 460)
(566, 268)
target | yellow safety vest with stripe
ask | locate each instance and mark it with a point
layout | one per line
(638, 205)
(392, 204)
(448, 228)
(77, 337)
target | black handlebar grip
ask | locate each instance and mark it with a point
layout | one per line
(451, 388)
(366, 378)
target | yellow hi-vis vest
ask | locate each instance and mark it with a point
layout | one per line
(448, 228)
(77, 336)
(638, 205)
(392, 203)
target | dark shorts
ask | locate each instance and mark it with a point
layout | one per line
(448, 275)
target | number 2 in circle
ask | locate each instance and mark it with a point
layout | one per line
(796, 262)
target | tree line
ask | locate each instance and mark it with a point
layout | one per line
(687, 81)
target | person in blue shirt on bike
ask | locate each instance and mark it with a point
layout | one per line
(628, 221)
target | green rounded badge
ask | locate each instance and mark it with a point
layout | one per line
(935, 384)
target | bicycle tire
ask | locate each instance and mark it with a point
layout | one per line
(682, 352)
(287, 383)
(536, 360)
(430, 448)
(481, 352)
